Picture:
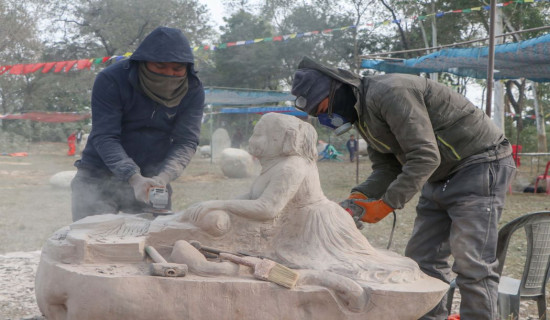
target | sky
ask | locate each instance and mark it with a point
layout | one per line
(217, 10)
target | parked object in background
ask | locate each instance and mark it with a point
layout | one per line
(516, 149)
(532, 285)
(543, 177)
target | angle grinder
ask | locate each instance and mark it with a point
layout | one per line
(159, 199)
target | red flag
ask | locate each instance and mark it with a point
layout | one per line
(48, 66)
(16, 69)
(83, 64)
(105, 59)
(3, 69)
(70, 64)
(32, 67)
(59, 65)
(278, 38)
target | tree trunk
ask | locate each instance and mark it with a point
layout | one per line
(541, 130)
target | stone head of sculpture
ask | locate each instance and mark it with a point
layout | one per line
(277, 135)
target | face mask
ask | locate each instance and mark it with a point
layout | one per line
(336, 122)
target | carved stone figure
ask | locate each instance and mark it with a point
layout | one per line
(285, 217)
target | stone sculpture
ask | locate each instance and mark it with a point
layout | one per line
(285, 217)
(220, 142)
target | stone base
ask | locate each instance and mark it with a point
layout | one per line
(127, 291)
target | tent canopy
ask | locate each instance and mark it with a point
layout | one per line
(231, 96)
(526, 59)
(263, 110)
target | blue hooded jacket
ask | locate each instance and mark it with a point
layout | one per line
(131, 133)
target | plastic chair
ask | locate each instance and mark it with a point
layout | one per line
(532, 285)
(543, 177)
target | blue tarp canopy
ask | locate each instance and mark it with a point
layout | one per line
(232, 96)
(262, 110)
(526, 59)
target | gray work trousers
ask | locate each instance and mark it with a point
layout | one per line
(459, 217)
(98, 192)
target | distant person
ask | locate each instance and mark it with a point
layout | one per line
(237, 139)
(71, 140)
(422, 136)
(352, 145)
(79, 134)
(146, 119)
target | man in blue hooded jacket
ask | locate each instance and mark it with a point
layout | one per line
(146, 118)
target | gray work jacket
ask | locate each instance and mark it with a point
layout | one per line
(417, 130)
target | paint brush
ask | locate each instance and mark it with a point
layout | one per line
(265, 269)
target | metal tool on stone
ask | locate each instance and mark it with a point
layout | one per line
(163, 268)
(209, 250)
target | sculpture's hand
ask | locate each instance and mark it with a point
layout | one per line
(198, 210)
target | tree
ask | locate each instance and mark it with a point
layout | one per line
(118, 26)
(18, 44)
(246, 66)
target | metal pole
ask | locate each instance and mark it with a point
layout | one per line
(491, 62)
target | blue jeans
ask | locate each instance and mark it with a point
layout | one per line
(459, 217)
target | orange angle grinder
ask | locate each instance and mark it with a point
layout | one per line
(159, 199)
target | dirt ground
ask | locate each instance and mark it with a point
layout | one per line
(31, 209)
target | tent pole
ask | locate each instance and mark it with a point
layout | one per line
(491, 62)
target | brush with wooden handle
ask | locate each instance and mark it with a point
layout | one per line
(267, 270)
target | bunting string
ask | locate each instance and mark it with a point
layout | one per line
(82, 64)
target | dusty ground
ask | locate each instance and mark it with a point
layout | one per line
(31, 210)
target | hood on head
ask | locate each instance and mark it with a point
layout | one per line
(311, 85)
(164, 45)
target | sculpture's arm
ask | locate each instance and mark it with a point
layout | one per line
(283, 182)
(280, 189)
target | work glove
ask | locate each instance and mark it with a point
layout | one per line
(362, 209)
(141, 186)
(162, 179)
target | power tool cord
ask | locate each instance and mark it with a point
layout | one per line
(392, 230)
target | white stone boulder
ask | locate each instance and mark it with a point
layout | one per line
(220, 141)
(62, 179)
(205, 151)
(236, 163)
(362, 147)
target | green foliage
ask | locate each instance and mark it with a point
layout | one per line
(528, 136)
(251, 66)
(12, 142)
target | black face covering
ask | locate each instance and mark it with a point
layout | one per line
(344, 102)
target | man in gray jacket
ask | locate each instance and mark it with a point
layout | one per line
(423, 136)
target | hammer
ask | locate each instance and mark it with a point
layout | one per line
(162, 268)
